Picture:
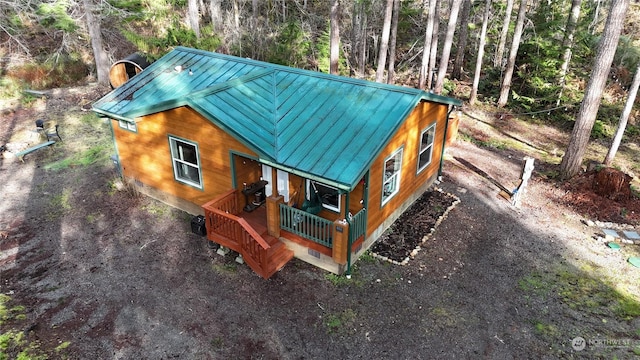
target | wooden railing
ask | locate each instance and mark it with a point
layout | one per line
(225, 227)
(357, 225)
(226, 202)
(306, 225)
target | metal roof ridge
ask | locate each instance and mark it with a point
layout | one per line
(305, 72)
(229, 84)
(276, 116)
(187, 99)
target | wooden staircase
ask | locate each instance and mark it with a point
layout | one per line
(263, 253)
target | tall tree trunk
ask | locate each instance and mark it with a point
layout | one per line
(236, 15)
(193, 16)
(95, 33)
(334, 41)
(596, 14)
(461, 45)
(511, 62)
(483, 39)
(284, 11)
(392, 42)
(567, 45)
(359, 38)
(215, 11)
(622, 125)
(497, 60)
(254, 13)
(572, 159)
(428, 35)
(433, 53)
(384, 42)
(446, 47)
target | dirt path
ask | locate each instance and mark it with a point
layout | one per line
(121, 277)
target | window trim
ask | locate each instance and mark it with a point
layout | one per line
(129, 126)
(397, 175)
(172, 148)
(421, 151)
(325, 206)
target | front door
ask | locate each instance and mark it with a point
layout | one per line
(282, 181)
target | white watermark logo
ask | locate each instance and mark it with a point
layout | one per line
(579, 343)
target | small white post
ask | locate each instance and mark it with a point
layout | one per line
(527, 169)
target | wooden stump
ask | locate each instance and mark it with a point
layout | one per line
(612, 184)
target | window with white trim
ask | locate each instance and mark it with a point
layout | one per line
(131, 126)
(425, 153)
(329, 196)
(186, 162)
(391, 176)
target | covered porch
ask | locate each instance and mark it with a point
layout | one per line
(272, 233)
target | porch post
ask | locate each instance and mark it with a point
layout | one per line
(273, 215)
(340, 241)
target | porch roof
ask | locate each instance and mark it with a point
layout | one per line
(320, 126)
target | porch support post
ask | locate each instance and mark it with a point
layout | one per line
(274, 182)
(273, 215)
(340, 241)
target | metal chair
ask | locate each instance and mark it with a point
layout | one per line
(48, 132)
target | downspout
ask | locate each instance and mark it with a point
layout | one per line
(365, 195)
(346, 212)
(116, 157)
(444, 141)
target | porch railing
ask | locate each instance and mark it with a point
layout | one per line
(357, 225)
(222, 221)
(306, 225)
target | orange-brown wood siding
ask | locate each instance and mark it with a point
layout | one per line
(145, 155)
(407, 137)
(296, 190)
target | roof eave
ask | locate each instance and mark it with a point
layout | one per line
(306, 175)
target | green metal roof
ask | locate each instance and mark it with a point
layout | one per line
(320, 126)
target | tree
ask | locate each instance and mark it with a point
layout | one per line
(497, 60)
(446, 47)
(433, 52)
(572, 159)
(483, 39)
(359, 37)
(461, 45)
(511, 62)
(567, 44)
(193, 17)
(216, 15)
(384, 42)
(424, 68)
(392, 47)
(624, 117)
(334, 38)
(95, 33)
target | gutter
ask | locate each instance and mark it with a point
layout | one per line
(444, 141)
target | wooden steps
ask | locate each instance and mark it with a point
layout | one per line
(276, 256)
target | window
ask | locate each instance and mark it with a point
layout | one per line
(328, 195)
(426, 147)
(391, 176)
(131, 126)
(186, 163)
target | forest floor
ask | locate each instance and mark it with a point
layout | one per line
(94, 272)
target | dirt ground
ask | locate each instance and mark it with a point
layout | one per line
(120, 276)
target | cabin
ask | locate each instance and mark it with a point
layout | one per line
(277, 162)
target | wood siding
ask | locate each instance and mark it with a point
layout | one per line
(145, 155)
(407, 137)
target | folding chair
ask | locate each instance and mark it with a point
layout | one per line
(48, 132)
